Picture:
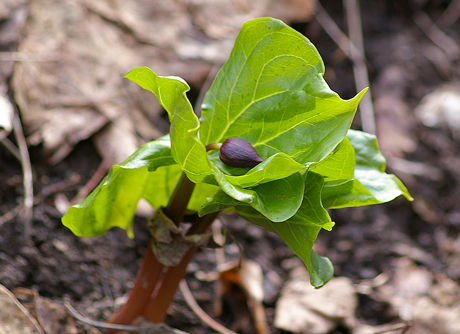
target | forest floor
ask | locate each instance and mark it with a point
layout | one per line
(401, 259)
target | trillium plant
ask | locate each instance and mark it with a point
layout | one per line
(273, 143)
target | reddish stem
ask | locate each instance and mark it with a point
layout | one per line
(157, 307)
(147, 278)
(151, 269)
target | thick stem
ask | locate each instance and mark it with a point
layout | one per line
(147, 278)
(157, 307)
(151, 269)
(179, 199)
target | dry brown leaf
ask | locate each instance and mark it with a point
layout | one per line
(411, 280)
(441, 109)
(14, 318)
(409, 291)
(65, 101)
(394, 122)
(90, 45)
(303, 309)
(248, 276)
(6, 116)
(170, 244)
(50, 315)
(380, 329)
(223, 19)
(429, 317)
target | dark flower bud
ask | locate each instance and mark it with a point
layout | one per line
(236, 152)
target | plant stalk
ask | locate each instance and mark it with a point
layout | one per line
(158, 305)
(179, 199)
(147, 278)
(151, 269)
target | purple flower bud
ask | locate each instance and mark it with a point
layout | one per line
(236, 152)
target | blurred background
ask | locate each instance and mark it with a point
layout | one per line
(67, 115)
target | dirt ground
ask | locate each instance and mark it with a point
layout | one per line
(402, 258)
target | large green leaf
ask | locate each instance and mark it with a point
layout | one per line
(277, 200)
(278, 166)
(153, 154)
(300, 231)
(339, 165)
(187, 150)
(271, 92)
(370, 185)
(150, 173)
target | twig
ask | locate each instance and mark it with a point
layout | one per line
(333, 30)
(92, 183)
(436, 35)
(23, 57)
(100, 324)
(450, 15)
(220, 239)
(404, 326)
(10, 215)
(188, 296)
(359, 66)
(40, 197)
(27, 177)
(207, 84)
(11, 147)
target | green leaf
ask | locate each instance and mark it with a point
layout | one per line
(370, 185)
(271, 92)
(300, 231)
(277, 200)
(339, 165)
(153, 154)
(149, 173)
(187, 150)
(321, 270)
(278, 166)
(113, 203)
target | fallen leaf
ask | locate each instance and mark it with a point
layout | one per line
(394, 122)
(304, 309)
(6, 116)
(83, 91)
(248, 276)
(429, 317)
(85, 47)
(14, 318)
(50, 315)
(441, 109)
(411, 280)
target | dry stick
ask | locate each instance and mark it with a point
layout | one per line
(40, 197)
(99, 324)
(359, 65)
(207, 84)
(27, 177)
(158, 305)
(404, 327)
(92, 183)
(204, 317)
(333, 30)
(24, 57)
(450, 15)
(437, 36)
(11, 147)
